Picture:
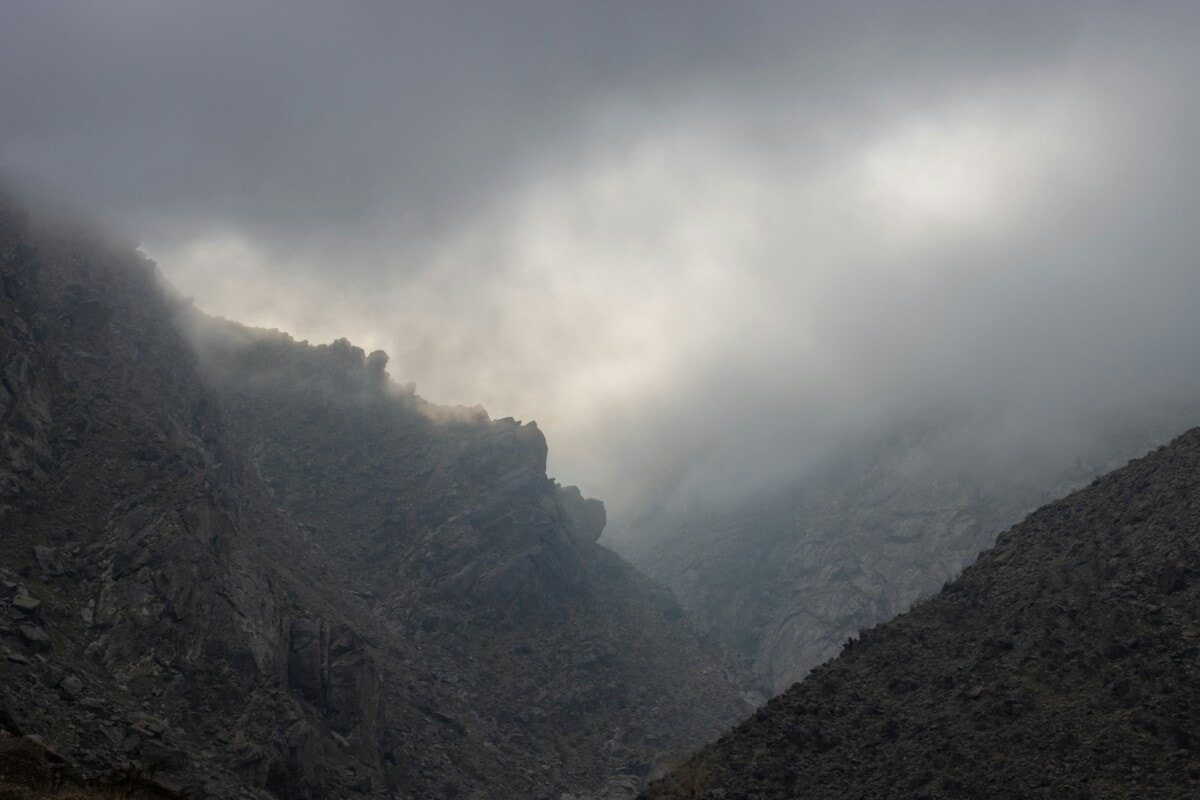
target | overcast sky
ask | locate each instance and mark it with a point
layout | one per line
(695, 241)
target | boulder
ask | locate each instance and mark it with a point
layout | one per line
(71, 686)
(36, 638)
(46, 563)
(26, 605)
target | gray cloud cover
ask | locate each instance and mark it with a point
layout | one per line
(698, 242)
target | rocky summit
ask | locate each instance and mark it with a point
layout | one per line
(1065, 663)
(242, 566)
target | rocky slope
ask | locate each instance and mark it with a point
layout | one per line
(259, 568)
(786, 576)
(1064, 663)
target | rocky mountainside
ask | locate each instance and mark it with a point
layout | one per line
(785, 577)
(258, 568)
(1064, 663)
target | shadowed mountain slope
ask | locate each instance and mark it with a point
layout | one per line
(259, 568)
(1064, 663)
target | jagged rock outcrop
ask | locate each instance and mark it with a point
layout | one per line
(786, 576)
(1063, 663)
(585, 517)
(261, 569)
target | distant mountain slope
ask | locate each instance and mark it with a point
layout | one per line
(1064, 663)
(786, 575)
(261, 569)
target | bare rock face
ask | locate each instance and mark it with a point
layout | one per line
(307, 660)
(585, 517)
(25, 451)
(1062, 663)
(332, 668)
(310, 581)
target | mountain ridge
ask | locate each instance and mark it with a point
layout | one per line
(262, 569)
(785, 576)
(1062, 663)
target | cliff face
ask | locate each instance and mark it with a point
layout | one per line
(259, 568)
(1063, 664)
(787, 576)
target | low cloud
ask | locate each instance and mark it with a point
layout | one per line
(700, 249)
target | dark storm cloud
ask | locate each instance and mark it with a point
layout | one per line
(284, 117)
(705, 239)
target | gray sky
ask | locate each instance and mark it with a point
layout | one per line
(696, 241)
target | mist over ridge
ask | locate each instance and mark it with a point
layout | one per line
(703, 250)
(474, 399)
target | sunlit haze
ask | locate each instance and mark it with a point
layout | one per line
(694, 246)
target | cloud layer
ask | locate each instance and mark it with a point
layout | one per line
(697, 243)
